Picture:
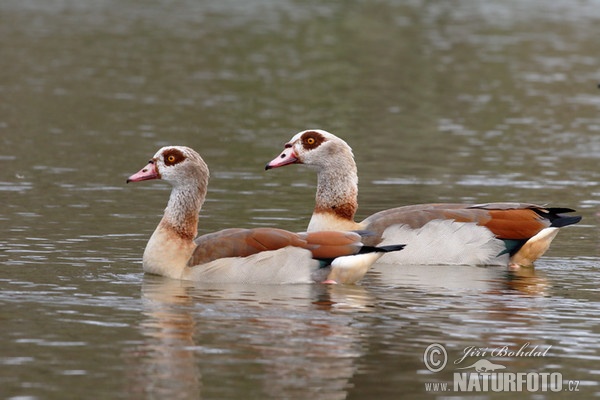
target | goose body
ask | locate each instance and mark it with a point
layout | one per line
(484, 234)
(259, 255)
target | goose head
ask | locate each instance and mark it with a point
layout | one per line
(314, 147)
(178, 165)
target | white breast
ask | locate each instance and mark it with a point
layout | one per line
(330, 222)
(166, 254)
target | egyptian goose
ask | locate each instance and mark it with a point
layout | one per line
(482, 234)
(260, 255)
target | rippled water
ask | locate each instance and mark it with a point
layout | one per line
(471, 101)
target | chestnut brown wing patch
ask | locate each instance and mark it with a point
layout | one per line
(246, 242)
(237, 242)
(505, 223)
(328, 245)
(516, 224)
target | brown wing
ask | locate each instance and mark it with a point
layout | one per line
(238, 242)
(524, 221)
(328, 245)
(515, 224)
(515, 221)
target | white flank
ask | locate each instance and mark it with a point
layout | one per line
(444, 242)
(284, 266)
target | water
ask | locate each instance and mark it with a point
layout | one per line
(442, 101)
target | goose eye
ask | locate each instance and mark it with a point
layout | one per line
(172, 157)
(310, 140)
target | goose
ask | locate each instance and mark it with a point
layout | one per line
(513, 234)
(237, 255)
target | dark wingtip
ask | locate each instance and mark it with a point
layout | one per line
(364, 233)
(564, 221)
(560, 210)
(557, 217)
(393, 247)
(381, 249)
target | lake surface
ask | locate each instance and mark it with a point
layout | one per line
(461, 101)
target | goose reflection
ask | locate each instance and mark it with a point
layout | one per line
(248, 341)
(528, 281)
(164, 365)
(459, 279)
(458, 307)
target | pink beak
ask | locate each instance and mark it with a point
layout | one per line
(146, 173)
(285, 158)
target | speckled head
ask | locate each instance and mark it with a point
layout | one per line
(178, 165)
(314, 147)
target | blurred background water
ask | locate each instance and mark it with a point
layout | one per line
(458, 101)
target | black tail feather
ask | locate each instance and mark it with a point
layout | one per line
(557, 217)
(366, 249)
(564, 221)
(560, 210)
(381, 249)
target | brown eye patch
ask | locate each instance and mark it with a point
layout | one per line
(173, 156)
(312, 139)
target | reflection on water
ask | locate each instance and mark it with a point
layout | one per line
(165, 364)
(335, 341)
(194, 331)
(473, 101)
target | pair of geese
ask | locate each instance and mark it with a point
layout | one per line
(335, 248)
